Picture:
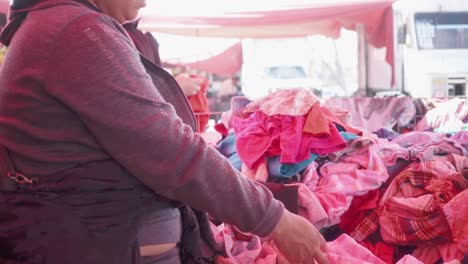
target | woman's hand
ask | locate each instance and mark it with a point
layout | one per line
(298, 240)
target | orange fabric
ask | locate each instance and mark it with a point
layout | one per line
(317, 123)
(333, 118)
(319, 117)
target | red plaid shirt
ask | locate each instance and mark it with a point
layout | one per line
(409, 213)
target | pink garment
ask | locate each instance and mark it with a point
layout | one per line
(372, 171)
(356, 172)
(427, 151)
(293, 102)
(462, 138)
(310, 206)
(238, 104)
(259, 173)
(431, 254)
(456, 212)
(343, 250)
(422, 150)
(417, 138)
(342, 115)
(243, 249)
(349, 179)
(355, 145)
(335, 204)
(255, 251)
(346, 250)
(408, 259)
(260, 136)
(374, 113)
(390, 152)
(447, 115)
(310, 176)
(335, 115)
(321, 145)
(420, 145)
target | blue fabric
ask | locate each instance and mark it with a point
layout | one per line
(235, 161)
(285, 170)
(227, 147)
(348, 136)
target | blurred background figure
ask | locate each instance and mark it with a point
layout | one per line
(229, 88)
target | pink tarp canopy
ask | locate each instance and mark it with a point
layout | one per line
(227, 63)
(268, 19)
(273, 20)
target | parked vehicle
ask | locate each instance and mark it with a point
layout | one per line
(431, 49)
(275, 64)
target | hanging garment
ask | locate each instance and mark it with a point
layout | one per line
(375, 113)
(199, 104)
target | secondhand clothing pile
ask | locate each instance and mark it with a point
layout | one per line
(386, 201)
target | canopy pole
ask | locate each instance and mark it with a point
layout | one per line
(363, 82)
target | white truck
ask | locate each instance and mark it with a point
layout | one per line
(271, 64)
(431, 50)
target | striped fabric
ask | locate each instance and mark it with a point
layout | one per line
(409, 213)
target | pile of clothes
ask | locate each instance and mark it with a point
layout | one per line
(384, 201)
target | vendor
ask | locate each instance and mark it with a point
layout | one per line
(102, 148)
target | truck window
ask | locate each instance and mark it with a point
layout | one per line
(285, 72)
(446, 30)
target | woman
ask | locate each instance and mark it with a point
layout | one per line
(102, 145)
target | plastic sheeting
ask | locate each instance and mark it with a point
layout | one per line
(278, 21)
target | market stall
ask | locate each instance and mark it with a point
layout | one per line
(387, 200)
(375, 199)
(363, 190)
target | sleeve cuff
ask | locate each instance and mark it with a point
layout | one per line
(270, 220)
